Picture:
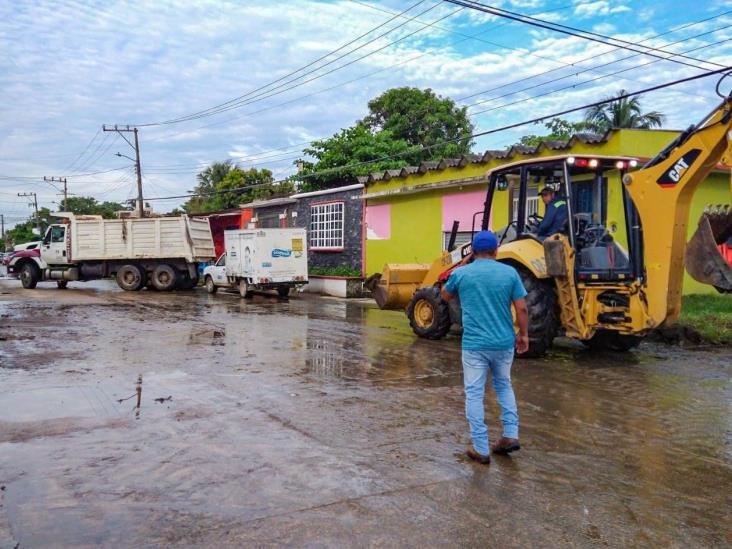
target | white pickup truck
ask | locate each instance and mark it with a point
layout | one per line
(158, 252)
(260, 259)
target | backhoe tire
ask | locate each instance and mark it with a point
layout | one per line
(429, 314)
(210, 286)
(29, 275)
(544, 321)
(165, 278)
(608, 340)
(62, 284)
(131, 278)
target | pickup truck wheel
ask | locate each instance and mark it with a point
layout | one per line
(165, 278)
(130, 278)
(62, 284)
(210, 286)
(244, 290)
(29, 275)
(284, 291)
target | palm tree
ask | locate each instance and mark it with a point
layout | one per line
(622, 113)
(214, 174)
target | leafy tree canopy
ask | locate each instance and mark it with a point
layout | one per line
(559, 130)
(415, 124)
(224, 185)
(86, 205)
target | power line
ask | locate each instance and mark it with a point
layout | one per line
(564, 29)
(572, 86)
(228, 104)
(472, 136)
(590, 69)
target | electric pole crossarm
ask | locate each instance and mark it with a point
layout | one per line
(138, 169)
(52, 180)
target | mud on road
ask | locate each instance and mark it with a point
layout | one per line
(323, 422)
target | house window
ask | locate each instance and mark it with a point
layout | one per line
(326, 226)
(462, 237)
(532, 207)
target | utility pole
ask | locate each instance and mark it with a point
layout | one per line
(35, 205)
(136, 160)
(66, 190)
(2, 226)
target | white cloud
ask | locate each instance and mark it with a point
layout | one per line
(67, 69)
(599, 8)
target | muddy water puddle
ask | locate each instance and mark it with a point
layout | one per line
(319, 422)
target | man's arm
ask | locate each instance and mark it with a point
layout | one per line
(546, 223)
(522, 316)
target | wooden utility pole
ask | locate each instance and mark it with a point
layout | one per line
(35, 205)
(2, 226)
(136, 160)
(66, 190)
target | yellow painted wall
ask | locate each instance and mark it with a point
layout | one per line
(416, 219)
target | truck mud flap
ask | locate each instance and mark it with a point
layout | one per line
(704, 261)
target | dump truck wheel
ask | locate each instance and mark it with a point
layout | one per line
(131, 278)
(608, 340)
(541, 300)
(283, 291)
(210, 286)
(29, 275)
(429, 314)
(62, 284)
(165, 278)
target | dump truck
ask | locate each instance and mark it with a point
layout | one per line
(260, 259)
(160, 253)
(615, 272)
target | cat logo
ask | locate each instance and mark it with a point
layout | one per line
(674, 174)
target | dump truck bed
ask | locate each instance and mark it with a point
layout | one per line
(148, 238)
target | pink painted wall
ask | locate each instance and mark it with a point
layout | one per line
(462, 207)
(378, 222)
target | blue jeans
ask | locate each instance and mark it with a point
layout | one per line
(475, 371)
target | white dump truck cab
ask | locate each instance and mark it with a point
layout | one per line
(55, 246)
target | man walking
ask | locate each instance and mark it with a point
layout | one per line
(487, 289)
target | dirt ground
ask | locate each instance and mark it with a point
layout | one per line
(326, 423)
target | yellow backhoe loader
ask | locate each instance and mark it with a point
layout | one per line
(616, 270)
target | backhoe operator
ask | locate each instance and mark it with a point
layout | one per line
(555, 215)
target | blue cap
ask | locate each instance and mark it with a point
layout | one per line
(485, 241)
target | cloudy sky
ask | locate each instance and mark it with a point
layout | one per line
(68, 67)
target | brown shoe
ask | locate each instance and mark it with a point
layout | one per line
(480, 458)
(505, 446)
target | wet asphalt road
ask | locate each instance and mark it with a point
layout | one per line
(323, 422)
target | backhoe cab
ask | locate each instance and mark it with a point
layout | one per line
(614, 271)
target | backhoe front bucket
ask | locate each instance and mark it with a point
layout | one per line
(393, 288)
(704, 261)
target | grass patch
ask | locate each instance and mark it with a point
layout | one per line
(710, 315)
(342, 270)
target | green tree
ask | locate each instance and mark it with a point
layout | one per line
(352, 146)
(559, 130)
(87, 205)
(409, 123)
(422, 118)
(235, 187)
(622, 113)
(25, 232)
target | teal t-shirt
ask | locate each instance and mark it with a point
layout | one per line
(486, 289)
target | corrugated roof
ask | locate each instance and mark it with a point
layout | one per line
(487, 156)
